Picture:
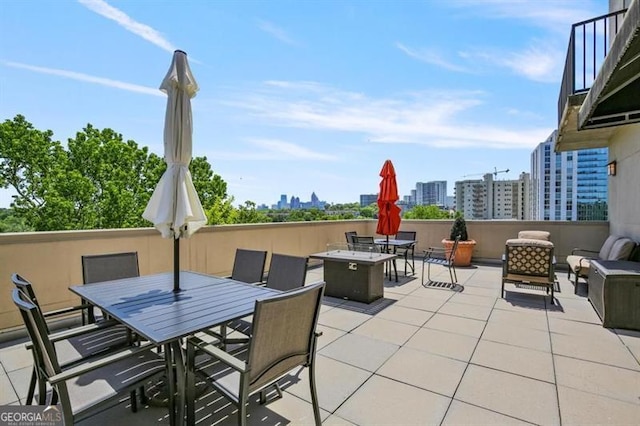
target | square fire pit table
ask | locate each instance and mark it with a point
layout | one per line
(352, 274)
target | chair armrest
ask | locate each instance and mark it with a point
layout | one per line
(580, 250)
(96, 363)
(64, 311)
(219, 354)
(78, 331)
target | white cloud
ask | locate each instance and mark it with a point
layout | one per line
(540, 61)
(557, 15)
(276, 32)
(430, 57)
(102, 8)
(275, 149)
(427, 118)
(88, 78)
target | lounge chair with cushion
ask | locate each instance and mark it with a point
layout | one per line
(530, 262)
(614, 248)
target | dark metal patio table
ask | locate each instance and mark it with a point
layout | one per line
(396, 244)
(149, 306)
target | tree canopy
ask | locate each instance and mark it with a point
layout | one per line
(426, 212)
(98, 181)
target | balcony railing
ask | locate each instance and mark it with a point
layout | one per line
(588, 46)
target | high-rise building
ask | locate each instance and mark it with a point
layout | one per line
(569, 185)
(282, 204)
(431, 193)
(368, 199)
(494, 199)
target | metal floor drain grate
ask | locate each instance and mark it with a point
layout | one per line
(443, 285)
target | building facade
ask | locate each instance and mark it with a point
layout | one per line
(431, 193)
(569, 185)
(488, 198)
(368, 199)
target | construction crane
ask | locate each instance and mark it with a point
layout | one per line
(494, 172)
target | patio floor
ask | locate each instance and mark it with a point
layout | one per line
(436, 356)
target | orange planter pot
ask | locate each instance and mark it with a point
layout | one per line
(463, 253)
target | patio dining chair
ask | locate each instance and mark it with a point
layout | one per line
(248, 265)
(89, 387)
(284, 337)
(443, 257)
(108, 267)
(72, 345)
(407, 250)
(285, 273)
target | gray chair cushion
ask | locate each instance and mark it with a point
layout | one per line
(606, 247)
(621, 249)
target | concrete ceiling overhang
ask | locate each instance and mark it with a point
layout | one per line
(589, 119)
(614, 97)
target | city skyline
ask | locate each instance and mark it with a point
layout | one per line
(286, 105)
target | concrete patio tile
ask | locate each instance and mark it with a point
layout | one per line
(334, 420)
(20, 379)
(16, 357)
(598, 379)
(631, 340)
(343, 319)
(433, 293)
(404, 315)
(121, 415)
(424, 370)
(467, 311)
(581, 408)
(521, 304)
(509, 394)
(471, 299)
(328, 335)
(582, 329)
(388, 331)
(390, 402)
(406, 288)
(335, 382)
(360, 351)
(517, 336)
(443, 343)
(422, 303)
(7, 394)
(465, 326)
(481, 291)
(513, 359)
(526, 319)
(460, 413)
(593, 350)
(576, 310)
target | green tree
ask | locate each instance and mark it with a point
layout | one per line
(9, 222)
(100, 181)
(249, 214)
(426, 212)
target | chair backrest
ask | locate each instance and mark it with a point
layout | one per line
(286, 272)
(26, 288)
(37, 328)
(283, 334)
(529, 257)
(248, 265)
(406, 235)
(351, 237)
(451, 255)
(107, 267)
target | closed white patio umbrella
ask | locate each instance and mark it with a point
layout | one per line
(174, 207)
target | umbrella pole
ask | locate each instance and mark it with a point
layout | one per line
(176, 264)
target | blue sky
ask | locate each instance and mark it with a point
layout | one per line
(301, 96)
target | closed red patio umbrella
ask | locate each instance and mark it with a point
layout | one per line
(388, 212)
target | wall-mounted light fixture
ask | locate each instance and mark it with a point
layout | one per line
(611, 168)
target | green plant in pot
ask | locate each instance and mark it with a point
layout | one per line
(465, 245)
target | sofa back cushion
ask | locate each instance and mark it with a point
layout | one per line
(621, 249)
(606, 247)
